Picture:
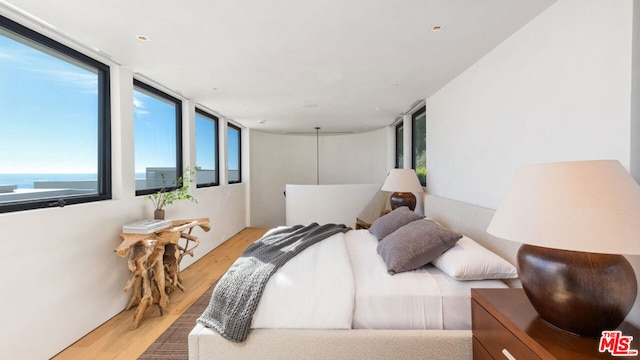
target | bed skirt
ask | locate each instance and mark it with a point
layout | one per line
(283, 344)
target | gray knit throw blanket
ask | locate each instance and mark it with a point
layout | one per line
(236, 296)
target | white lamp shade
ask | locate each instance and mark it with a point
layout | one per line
(402, 180)
(590, 206)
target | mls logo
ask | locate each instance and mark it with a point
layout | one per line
(616, 344)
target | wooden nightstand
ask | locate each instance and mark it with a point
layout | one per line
(504, 322)
(361, 224)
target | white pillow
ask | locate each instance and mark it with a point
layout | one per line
(468, 260)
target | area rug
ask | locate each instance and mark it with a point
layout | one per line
(173, 343)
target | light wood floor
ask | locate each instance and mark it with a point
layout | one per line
(114, 339)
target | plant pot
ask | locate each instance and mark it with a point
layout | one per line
(158, 214)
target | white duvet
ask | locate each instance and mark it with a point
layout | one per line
(342, 283)
(312, 290)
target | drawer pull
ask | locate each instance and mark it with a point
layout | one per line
(508, 355)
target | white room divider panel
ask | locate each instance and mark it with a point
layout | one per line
(338, 204)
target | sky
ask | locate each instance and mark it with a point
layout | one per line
(155, 129)
(48, 118)
(45, 104)
(206, 132)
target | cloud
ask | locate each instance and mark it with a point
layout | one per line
(57, 68)
(86, 81)
(5, 55)
(139, 106)
(137, 103)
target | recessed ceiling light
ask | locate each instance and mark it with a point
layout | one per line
(142, 38)
(395, 85)
(436, 28)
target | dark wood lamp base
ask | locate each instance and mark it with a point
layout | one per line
(582, 293)
(399, 199)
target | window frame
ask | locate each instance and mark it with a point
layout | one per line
(103, 190)
(239, 130)
(414, 116)
(178, 114)
(399, 149)
(216, 120)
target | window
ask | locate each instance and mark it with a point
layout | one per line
(55, 146)
(399, 146)
(206, 149)
(419, 144)
(233, 154)
(158, 139)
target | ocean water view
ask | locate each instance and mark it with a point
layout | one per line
(25, 181)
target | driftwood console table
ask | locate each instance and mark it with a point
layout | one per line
(154, 261)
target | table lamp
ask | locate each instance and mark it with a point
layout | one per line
(403, 183)
(575, 219)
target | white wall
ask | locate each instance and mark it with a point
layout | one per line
(558, 89)
(354, 159)
(277, 160)
(62, 278)
(635, 94)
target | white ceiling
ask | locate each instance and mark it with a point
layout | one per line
(292, 65)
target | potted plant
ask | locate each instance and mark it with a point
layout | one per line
(164, 197)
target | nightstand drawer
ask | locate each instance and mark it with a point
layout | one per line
(479, 352)
(495, 338)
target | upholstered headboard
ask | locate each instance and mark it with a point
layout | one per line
(342, 203)
(470, 220)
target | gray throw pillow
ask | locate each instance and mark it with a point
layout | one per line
(415, 245)
(393, 221)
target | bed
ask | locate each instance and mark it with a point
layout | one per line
(356, 309)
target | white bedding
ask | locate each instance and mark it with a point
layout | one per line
(408, 300)
(425, 298)
(342, 283)
(314, 290)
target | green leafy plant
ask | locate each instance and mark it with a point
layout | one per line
(422, 174)
(166, 197)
